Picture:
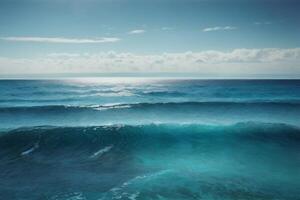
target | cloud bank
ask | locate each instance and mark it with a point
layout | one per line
(61, 40)
(235, 62)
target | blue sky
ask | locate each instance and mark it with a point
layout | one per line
(33, 31)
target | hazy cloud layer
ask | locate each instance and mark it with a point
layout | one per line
(61, 40)
(238, 61)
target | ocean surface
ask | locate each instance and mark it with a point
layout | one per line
(143, 139)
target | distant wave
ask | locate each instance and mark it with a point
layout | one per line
(165, 93)
(147, 105)
(141, 113)
(127, 97)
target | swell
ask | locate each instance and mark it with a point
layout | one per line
(145, 113)
(295, 105)
(97, 140)
(241, 161)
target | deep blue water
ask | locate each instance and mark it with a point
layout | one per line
(134, 138)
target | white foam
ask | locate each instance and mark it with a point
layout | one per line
(134, 196)
(107, 107)
(101, 151)
(118, 192)
(69, 196)
(32, 149)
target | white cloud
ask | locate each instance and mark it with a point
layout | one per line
(263, 23)
(61, 40)
(219, 28)
(167, 28)
(63, 55)
(137, 31)
(238, 61)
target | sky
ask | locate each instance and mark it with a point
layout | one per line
(205, 37)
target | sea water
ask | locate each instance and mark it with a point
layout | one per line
(135, 138)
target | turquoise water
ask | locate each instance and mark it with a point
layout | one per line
(149, 139)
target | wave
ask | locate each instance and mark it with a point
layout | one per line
(102, 139)
(144, 113)
(246, 160)
(149, 105)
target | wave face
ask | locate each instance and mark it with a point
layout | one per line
(104, 139)
(242, 161)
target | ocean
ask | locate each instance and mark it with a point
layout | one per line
(149, 138)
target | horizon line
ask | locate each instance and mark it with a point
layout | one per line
(162, 75)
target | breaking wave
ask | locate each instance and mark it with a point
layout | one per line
(246, 160)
